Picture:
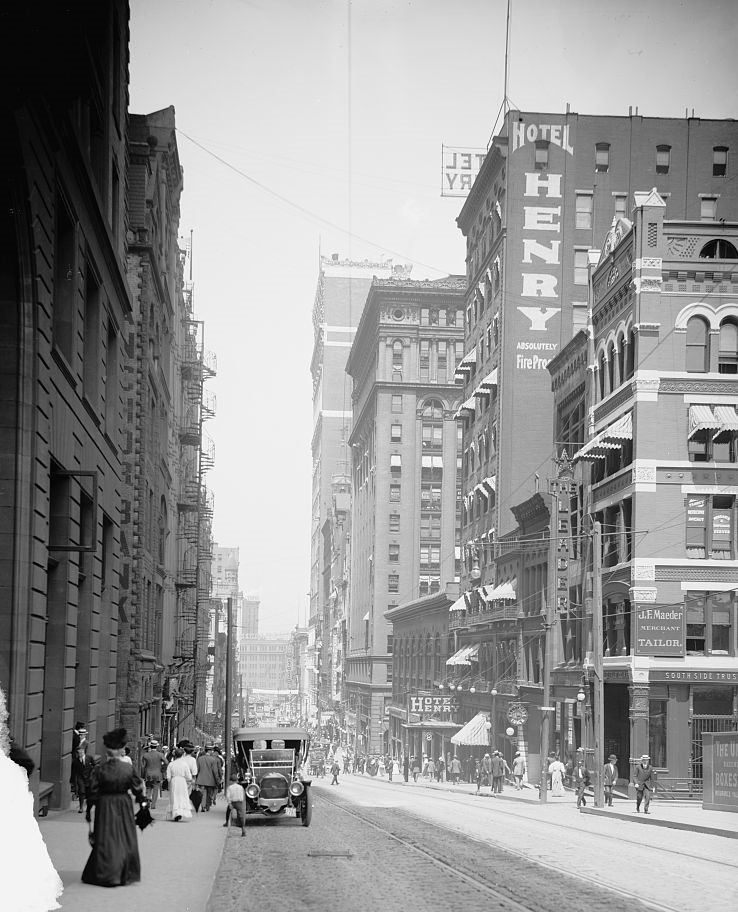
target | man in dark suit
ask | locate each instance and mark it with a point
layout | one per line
(610, 778)
(208, 774)
(581, 778)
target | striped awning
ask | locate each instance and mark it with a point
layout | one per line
(611, 438)
(490, 380)
(459, 605)
(504, 590)
(464, 656)
(701, 418)
(728, 419)
(475, 733)
(468, 406)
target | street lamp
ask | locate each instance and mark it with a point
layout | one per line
(494, 718)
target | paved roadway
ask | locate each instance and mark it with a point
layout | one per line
(378, 845)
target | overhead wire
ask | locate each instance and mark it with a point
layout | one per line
(308, 213)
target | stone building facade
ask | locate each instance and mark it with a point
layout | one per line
(64, 311)
(405, 449)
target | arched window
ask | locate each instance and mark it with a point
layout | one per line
(397, 355)
(601, 374)
(163, 530)
(611, 375)
(728, 348)
(697, 345)
(621, 359)
(433, 408)
(719, 250)
(630, 359)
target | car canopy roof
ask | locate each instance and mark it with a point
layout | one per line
(269, 734)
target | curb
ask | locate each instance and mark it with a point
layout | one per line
(660, 822)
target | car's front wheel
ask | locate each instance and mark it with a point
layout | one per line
(306, 808)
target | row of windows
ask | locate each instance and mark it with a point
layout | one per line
(699, 346)
(440, 316)
(662, 158)
(434, 360)
(584, 207)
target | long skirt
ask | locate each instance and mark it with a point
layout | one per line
(179, 798)
(557, 785)
(114, 859)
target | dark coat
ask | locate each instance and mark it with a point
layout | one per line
(581, 776)
(644, 777)
(610, 774)
(499, 766)
(208, 770)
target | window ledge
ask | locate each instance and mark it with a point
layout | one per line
(63, 365)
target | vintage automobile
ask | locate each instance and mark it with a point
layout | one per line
(270, 762)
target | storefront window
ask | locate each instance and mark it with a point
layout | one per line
(657, 732)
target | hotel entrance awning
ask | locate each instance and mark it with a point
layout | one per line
(475, 733)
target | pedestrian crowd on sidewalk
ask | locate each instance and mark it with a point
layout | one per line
(102, 787)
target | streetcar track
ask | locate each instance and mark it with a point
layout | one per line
(498, 806)
(481, 884)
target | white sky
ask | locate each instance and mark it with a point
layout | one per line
(348, 123)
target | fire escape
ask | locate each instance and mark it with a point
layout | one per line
(195, 517)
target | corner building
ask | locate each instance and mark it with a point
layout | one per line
(405, 449)
(662, 454)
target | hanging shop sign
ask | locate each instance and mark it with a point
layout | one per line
(433, 704)
(660, 630)
(720, 771)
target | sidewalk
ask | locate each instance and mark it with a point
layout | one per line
(685, 815)
(178, 862)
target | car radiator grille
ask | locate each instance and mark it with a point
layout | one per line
(274, 787)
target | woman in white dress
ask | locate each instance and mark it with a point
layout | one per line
(179, 776)
(29, 881)
(556, 770)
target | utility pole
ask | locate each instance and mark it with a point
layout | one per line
(228, 687)
(599, 689)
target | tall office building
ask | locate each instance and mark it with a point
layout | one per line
(343, 285)
(405, 522)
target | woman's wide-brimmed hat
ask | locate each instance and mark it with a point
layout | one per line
(115, 739)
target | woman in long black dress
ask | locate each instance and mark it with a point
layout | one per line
(114, 859)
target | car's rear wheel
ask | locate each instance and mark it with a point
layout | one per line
(306, 808)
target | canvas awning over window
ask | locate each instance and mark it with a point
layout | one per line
(464, 656)
(475, 733)
(466, 407)
(728, 419)
(491, 482)
(503, 591)
(701, 418)
(366, 616)
(610, 439)
(490, 380)
(459, 605)
(487, 385)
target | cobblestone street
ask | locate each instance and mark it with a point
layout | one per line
(411, 845)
